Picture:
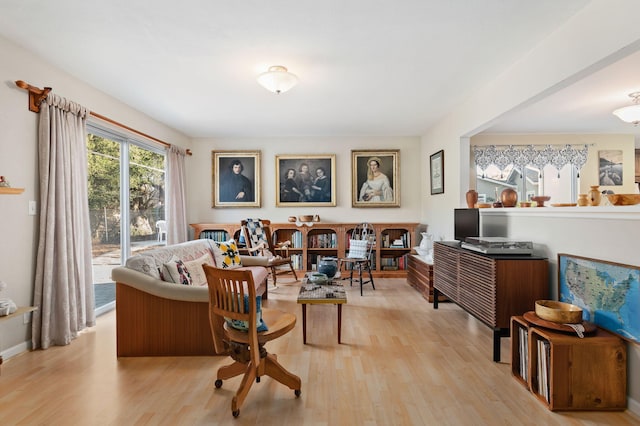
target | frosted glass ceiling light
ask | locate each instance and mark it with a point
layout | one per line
(277, 79)
(631, 113)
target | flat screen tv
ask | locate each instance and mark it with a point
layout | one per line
(466, 223)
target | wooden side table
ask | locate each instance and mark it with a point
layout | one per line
(316, 294)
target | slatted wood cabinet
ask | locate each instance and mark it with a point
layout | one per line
(587, 373)
(492, 288)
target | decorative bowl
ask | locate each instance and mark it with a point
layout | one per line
(540, 199)
(483, 205)
(306, 218)
(525, 203)
(292, 219)
(559, 312)
(624, 199)
(318, 278)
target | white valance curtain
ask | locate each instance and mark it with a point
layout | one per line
(176, 188)
(538, 156)
(63, 290)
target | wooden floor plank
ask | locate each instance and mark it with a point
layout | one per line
(401, 363)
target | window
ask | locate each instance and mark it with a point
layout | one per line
(126, 199)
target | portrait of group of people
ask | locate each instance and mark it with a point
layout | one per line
(307, 180)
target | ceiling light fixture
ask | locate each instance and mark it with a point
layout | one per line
(278, 79)
(631, 113)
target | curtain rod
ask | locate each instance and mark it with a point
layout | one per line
(37, 95)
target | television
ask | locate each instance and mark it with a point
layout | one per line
(466, 223)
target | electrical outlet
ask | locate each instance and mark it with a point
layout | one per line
(27, 318)
(32, 208)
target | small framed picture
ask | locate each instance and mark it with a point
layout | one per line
(235, 178)
(437, 172)
(306, 180)
(375, 181)
(610, 167)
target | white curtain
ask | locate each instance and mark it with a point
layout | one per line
(63, 290)
(176, 187)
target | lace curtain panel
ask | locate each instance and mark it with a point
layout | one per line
(538, 156)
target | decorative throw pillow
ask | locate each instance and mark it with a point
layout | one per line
(195, 269)
(230, 255)
(357, 249)
(244, 325)
(177, 270)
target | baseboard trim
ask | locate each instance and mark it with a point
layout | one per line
(633, 406)
(15, 350)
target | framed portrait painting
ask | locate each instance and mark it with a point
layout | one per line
(235, 178)
(436, 167)
(306, 180)
(375, 181)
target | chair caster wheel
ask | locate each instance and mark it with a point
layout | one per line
(235, 413)
(298, 392)
(218, 384)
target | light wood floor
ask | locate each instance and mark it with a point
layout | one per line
(401, 363)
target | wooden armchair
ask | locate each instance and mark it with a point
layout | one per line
(258, 237)
(232, 296)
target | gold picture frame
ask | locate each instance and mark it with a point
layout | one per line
(306, 180)
(379, 187)
(235, 178)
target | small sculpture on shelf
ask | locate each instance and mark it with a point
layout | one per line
(7, 306)
(4, 182)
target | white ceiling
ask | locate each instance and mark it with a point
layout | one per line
(366, 67)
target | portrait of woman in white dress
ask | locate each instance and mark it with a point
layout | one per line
(375, 174)
(377, 188)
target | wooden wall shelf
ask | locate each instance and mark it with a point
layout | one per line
(8, 190)
(309, 243)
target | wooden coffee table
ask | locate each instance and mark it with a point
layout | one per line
(315, 294)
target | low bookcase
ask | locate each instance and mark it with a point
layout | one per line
(566, 372)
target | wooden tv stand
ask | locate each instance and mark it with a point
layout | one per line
(492, 288)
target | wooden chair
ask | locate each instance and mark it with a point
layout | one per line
(258, 237)
(226, 289)
(361, 244)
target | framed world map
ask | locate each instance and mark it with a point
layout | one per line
(607, 292)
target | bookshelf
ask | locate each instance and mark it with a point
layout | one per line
(309, 243)
(565, 372)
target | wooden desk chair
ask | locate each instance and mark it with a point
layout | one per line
(227, 287)
(258, 237)
(361, 243)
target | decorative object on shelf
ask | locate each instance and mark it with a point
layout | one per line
(236, 178)
(7, 306)
(631, 113)
(328, 266)
(426, 243)
(560, 312)
(4, 182)
(594, 195)
(583, 200)
(587, 327)
(540, 199)
(292, 219)
(305, 180)
(624, 199)
(472, 198)
(525, 204)
(509, 197)
(483, 205)
(375, 179)
(436, 165)
(277, 79)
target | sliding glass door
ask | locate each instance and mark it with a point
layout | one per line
(126, 203)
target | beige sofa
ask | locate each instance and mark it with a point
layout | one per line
(155, 317)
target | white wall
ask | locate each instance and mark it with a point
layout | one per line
(410, 162)
(600, 34)
(19, 163)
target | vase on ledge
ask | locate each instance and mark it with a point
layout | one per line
(594, 195)
(472, 198)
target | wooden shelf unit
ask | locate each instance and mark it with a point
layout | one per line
(331, 239)
(582, 374)
(492, 288)
(9, 190)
